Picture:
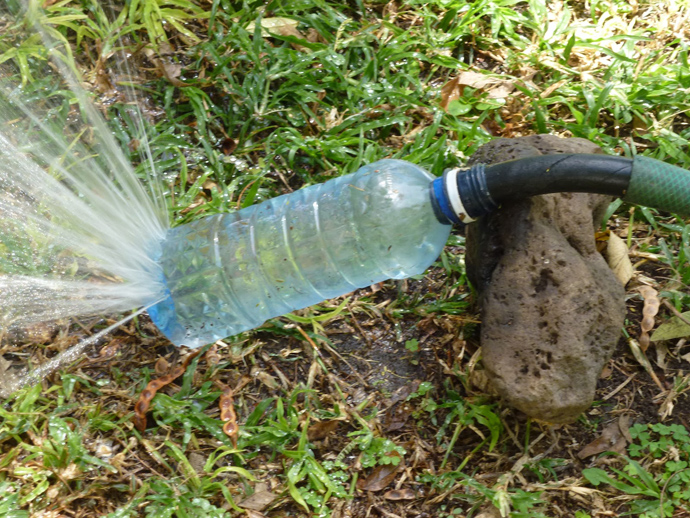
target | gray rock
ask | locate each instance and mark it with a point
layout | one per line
(552, 310)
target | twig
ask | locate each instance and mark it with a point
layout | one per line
(307, 338)
(619, 387)
(359, 328)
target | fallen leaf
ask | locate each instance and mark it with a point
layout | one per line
(397, 416)
(258, 501)
(618, 259)
(280, 26)
(276, 25)
(489, 511)
(606, 372)
(495, 87)
(264, 377)
(228, 146)
(612, 438)
(321, 430)
(109, 351)
(674, 328)
(404, 392)
(450, 92)
(381, 476)
(171, 71)
(400, 494)
(166, 66)
(661, 354)
(482, 81)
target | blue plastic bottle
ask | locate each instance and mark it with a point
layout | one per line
(229, 273)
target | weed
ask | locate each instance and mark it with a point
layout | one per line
(661, 484)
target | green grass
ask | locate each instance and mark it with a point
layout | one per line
(251, 116)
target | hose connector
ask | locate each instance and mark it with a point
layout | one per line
(461, 195)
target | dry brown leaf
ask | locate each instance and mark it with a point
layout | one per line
(258, 501)
(321, 430)
(264, 377)
(495, 87)
(489, 511)
(404, 392)
(109, 351)
(397, 416)
(381, 476)
(649, 311)
(450, 92)
(280, 26)
(171, 71)
(165, 65)
(606, 371)
(618, 259)
(612, 438)
(484, 82)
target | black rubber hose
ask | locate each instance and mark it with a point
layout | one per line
(518, 179)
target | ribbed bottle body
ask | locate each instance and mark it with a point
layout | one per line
(229, 273)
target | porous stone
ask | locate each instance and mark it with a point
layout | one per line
(552, 309)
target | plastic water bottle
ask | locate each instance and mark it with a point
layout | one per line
(231, 272)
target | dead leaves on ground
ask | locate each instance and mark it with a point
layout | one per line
(287, 27)
(615, 437)
(226, 401)
(260, 499)
(382, 475)
(494, 87)
(321, 430)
